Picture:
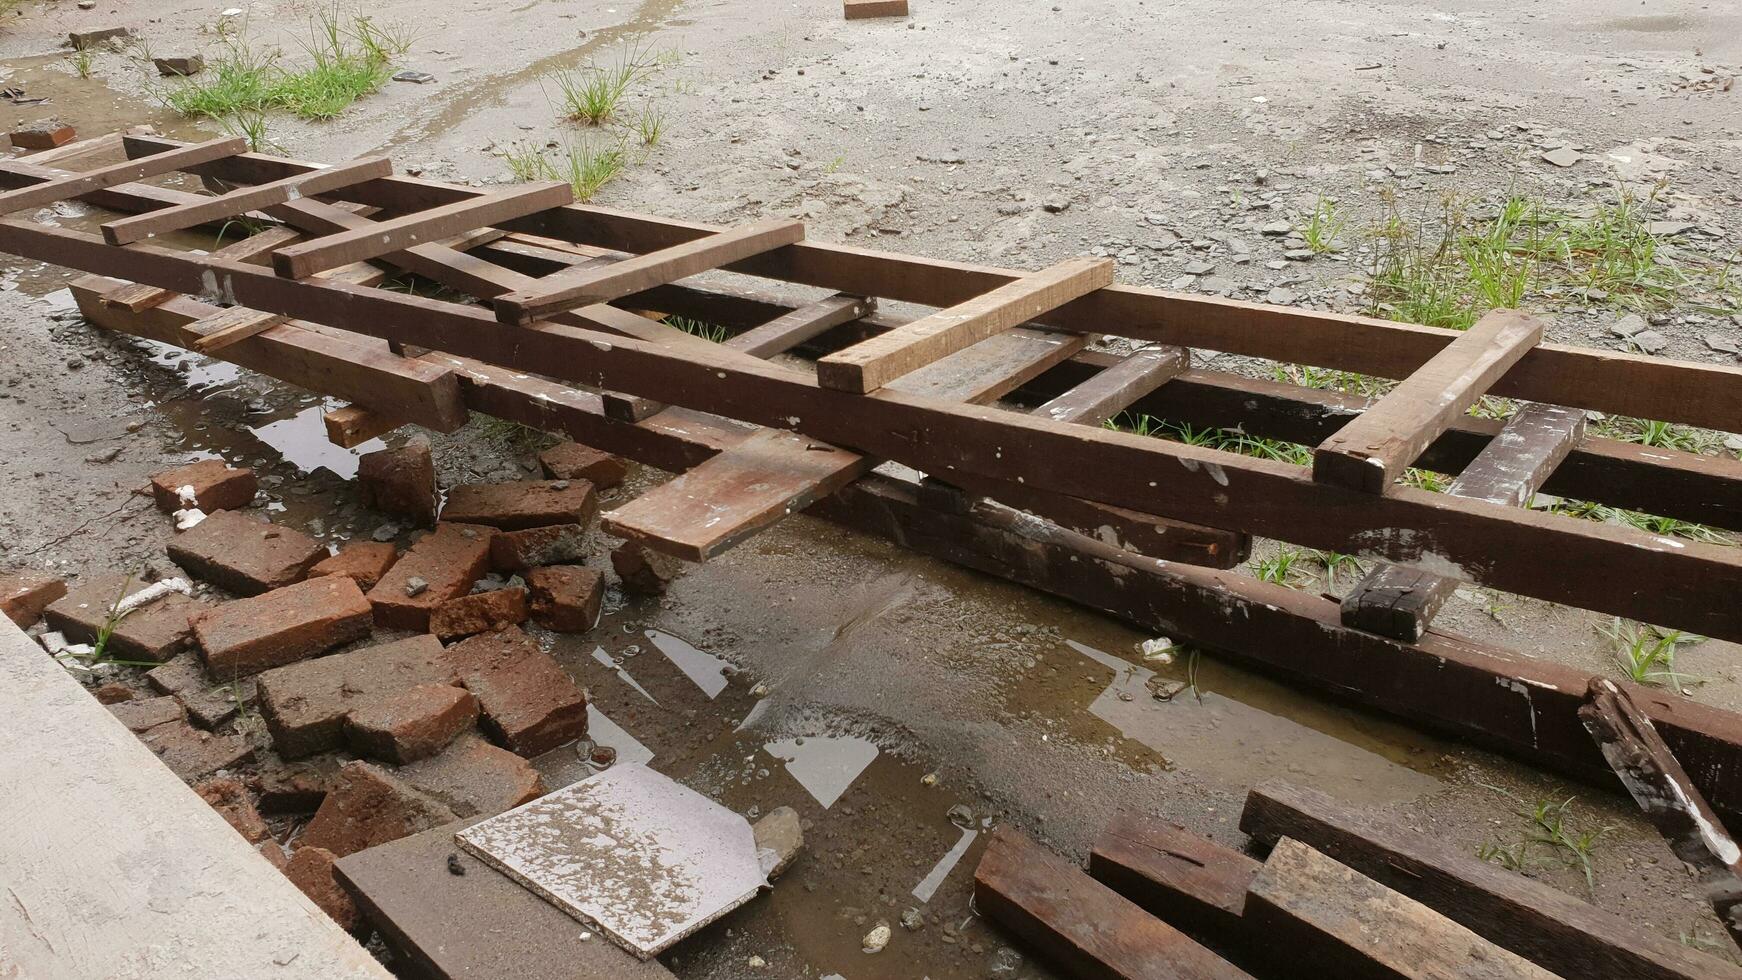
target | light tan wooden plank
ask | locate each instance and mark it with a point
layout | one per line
(224, 328)
(873, 363)
(139, 227)
(584, 287)
(1371, 452)
(353, 425)
(78, 185)
(135, 296)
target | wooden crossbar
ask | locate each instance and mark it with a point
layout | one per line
(237, 323)
(1115, 389)
(243, 200)
(873, 363)
(789, 330)
(78, 185)
(584, 287)
(352, 425)
(1370, 453)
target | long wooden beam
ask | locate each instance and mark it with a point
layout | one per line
(243, 200)
(1625, 384)
(78, 185)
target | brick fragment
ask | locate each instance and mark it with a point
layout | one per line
(522, 504)
(479, 612)
(43, 135)
(192, 754)
(24, 595)
(311, 869)
(474, 778)
(305, 704)
(553, 544)
(412, 724)
(364, 562)
(530, 703)
(273, 852)
(146, 714)
(296, 787)
(153, 632)
(113, 692)
(566, 598)
(644, 570)
(245, 555)
(230, 798)
(861, 9)
(370, 806)
(779, 837)
(216, 485)
(179, 66)
(85, 39)
(208, 705)
(448, 560)
(281, 627)
(400, 481)
(573, 461)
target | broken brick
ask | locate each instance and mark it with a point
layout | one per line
(113, 692)
(144, 715)
(573, 461)
(553, 544)
(479, 612)
(364, 562)
(281, 627)
(295, 787)
(311, 869)
(273, 852)
(369, 806)
(413, 724)
(522, 504)
(215, 485)
(179, 66)
(644, 570)
(400, 482)
(192, 754)
(779, 836)
(24, 595)
(230, 798)
(305, 704)
(154, 632)
(530, 703)
(448, 560)
(474, 778)
(84, 39)
(207, 706)
(566, 598)
(244, 555)
(42, 136)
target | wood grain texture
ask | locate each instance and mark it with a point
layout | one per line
(1347, 925)
(862, 9)
(873, 363)
(350, 426)
(1371, 452)
(243, 200)
(134, 297)
(1080, 925)
(789, 330)
(66, 188)
(1547, 926)
(567, 290)
(1114, 390)
(1177, 876)
(229, 326)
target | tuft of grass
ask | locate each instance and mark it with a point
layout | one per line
(1335, 561)
(650, 125)
(1660, 435)
(1280, 568)
(251, 126)
(1324, 227)
(82, 62)
(591, 94)
(698, 328)
(587, 167)
(1646, 654)
(1551, 832)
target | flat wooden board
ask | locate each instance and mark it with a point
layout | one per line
(64, 188)
(1177, 876)
(121, 231)
(1115, 389)
(226, 327)
(789, 330)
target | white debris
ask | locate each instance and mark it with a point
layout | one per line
(1158, 650)
(151, 594)
(876, 939)
(54, 642)
(188, 519)
(187, 496)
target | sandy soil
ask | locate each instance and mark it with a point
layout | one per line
(1164, 133)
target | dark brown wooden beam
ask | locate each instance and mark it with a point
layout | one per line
(1173, 874)
(789, 330)
(1115, 389)
(243, 200)
(66, 188)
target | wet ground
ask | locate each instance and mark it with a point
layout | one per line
(901, 705)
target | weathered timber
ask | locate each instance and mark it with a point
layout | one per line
(1079, 924)
(1371, 452)
(1337, 922)
(133, 297)
(352, 425)
(421, 227)
(1187, 881)
(237, 323)
(68, 188)
(873, 363)
(1401, 602)
(243, 200)
(1634, 385)
(1547, 926)
(1672, 803)
(566, 290)
(1116, 388)
(789, 330)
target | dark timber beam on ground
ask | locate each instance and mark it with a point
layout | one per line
(1371, 452)
(243, 200)
(1624, 384)
(68, 188)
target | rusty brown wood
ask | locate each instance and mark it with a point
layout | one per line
(243, 200)
(73, 186)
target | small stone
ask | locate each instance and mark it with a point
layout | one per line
(779, 838)
(644, 570)
(455, 868)
(1055, 203)
(929, 779)
(1628, 326)
(1650, 341)
(415, 586)
(1199, 268)
(1563, 157)
(179, 66)
(876, 939)
(385, 533)
(912, 920)
(1276, 229)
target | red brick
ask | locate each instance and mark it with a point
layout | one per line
(524, 504)
(113, 692)
(244, 555)
(230, 798)
(216, 484)
(553, 544)
(281, 627)
(24, 595)
(566, 598)
(413, 724)
(450, 559)
(42, 136)
(144, 715)
(273, 852)
(305, 704)
(295, 787)
(364, 562)
(530, 704)
(311, 869)
(474, 778)
(400, 482)
(479, 612)
(370, 806)
(573, 461)
(208, 705)
(192, 754)
(152, 632)
(644, 570)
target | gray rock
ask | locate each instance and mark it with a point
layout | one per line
(779, 837)
(1055, 203)
(1280, 297)
(1563, 157)
(1722, 344)
(1276, 229)
(386, 532)
(1628, 326)
(1200, 268)
(1650, 341)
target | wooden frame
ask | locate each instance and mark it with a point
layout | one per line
(243, 200)
(78, 185)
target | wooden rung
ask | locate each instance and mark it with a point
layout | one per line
(66, 188)
(418, 228)
(236, 323)
(136, 296)
(873, 363)
(783, 333)
(1402, 602)
(1371, 452)
(584, 287)
(353, 425)
(245, 199)
(1114, 390)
